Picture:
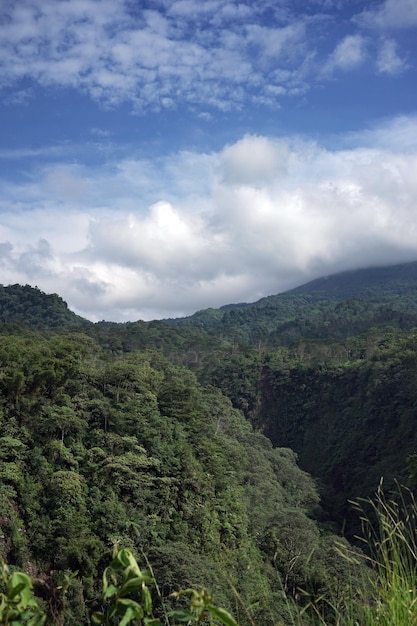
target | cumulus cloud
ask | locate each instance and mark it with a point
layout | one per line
(254, 161)
(257, 217)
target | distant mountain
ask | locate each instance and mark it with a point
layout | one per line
(373, 282)
(29, 306)
(336, 306)
(338, 393)
(364, 283)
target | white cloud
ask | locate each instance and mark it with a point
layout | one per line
(254, 161)
(390, 14)
(19, 97)
(348, 54)
(258, 217)
(394, 135)
(278, 42)
(215, 53)
(100, 132)
(388, 61)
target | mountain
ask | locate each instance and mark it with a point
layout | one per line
(364, 283)
(102, 445)
(348, 303)
(32, 307)
(181, 437)
(395, 286)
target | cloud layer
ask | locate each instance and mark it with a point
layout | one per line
(147, 239)
(214, 54)
(123, 236)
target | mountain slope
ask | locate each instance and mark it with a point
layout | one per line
(97, 450)
(395, 286)
(338, 306)
(364, 283)
(32, 307)
(117, 413)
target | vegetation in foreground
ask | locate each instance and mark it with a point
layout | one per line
(386, 596)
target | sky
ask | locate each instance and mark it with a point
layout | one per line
(158, 157)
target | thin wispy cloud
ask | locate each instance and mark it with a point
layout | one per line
(390, 15)
(388, 60)
(348, 54)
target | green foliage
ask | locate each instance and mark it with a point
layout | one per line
(338, 306)
(31, 307)
(201, 610)
(125, 595)
(349, 414)
(390, 531)
(385, 593)
(98, 448)
(136, 433)
(387, 596)
(18, 605)
(115, 593)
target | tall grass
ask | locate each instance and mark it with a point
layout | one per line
(385, 596)
(388, 595)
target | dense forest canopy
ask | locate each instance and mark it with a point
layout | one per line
(190, 440)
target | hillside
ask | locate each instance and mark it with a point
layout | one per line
(392, 286)
(33, 308)
(232, 445)
(130, 449)
(368, 283)
(332, 307)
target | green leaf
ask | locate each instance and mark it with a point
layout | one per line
(181, 615)
(110, 591)
(132, 584)
(131, 605)
(146, 600)
(37, 620)
(222, 615)
(133, 563)
(128, 617)
(17, 583)
(105, 581)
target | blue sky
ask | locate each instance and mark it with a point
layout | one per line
(161, 157)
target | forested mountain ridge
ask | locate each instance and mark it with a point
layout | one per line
(389, 292)
(136, 433)
(365, 283)
(33, 308)
(335, 306)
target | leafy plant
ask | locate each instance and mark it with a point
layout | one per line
(123, 579)
(18, 606)
(201, 609)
